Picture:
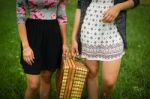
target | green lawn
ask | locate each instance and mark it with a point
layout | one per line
(133, 81)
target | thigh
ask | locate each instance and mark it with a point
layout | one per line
(110, 70)
(33, 80)
(92, 65)
(46, 75)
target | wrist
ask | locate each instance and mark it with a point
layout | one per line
(25, 45)
(74, 38)
(65, 43)
(119, 7)
(25, 49)
(74, 35)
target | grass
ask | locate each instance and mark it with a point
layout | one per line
(134, 78)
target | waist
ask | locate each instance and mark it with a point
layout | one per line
(41, 21)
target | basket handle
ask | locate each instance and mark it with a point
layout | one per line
(75, 58)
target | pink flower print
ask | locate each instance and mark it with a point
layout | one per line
(53, 4)
(32, 3)
(37, 15)
(21, 10)
(50, 3)
(53, 16)
(47, 2)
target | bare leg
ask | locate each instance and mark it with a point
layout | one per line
(110, 71)
(92, 79)
(32, 86)
(45, 78)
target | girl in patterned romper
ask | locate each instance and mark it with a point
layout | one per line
(43, 40)
(100, 41)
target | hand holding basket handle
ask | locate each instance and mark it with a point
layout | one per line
(71, 78)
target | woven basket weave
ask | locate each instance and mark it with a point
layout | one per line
(71, 79)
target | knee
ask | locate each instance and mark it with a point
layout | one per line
(33, 85)
(46, 76)
(109, 83)
(93, 69)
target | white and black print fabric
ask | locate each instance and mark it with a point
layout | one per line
(100, 41)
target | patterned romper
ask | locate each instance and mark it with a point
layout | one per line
(100, 41)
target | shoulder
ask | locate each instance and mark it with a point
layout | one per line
(83, 3)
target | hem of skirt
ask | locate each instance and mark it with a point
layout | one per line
(38, 72)
(102, 59)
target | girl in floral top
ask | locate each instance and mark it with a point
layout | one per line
(43, 40)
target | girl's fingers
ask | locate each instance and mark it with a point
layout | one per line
(108, 16)
(76, 51)
(108, 19)
(73, 52)
(29, 61)
(28, 56)
(25, 59)
(105, 15)
(112, 19)
(32, 58)
(65, 51)
(33, 55)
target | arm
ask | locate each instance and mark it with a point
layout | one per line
(76, 21)
(74, 49)
(125, 5)
(76, 24)
(21, 11)
(75, 31)
(113, 12)
(62, 19)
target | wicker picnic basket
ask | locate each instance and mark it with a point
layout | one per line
(71, 79)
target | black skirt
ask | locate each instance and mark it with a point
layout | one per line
(45, 39)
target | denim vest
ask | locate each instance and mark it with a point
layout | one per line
(120, 21)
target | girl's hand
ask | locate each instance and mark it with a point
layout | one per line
(111, 14)
(28, 55)
(74, 49)
(65, 49)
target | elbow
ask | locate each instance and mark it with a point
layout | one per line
(62, 20)
(135, 3)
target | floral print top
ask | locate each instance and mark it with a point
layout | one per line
(41, 9)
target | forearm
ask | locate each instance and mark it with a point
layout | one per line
(125, 5)
(76, 24)
(63, 28)
(23, 35)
